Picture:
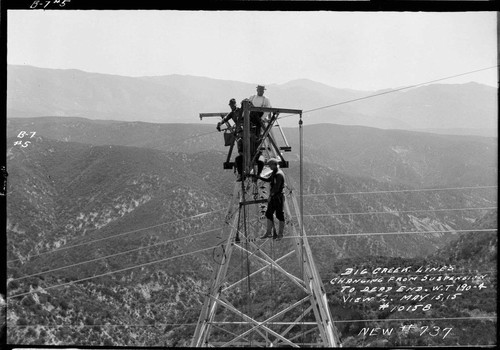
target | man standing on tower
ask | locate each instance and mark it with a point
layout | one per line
(276, 199)
(260, 100)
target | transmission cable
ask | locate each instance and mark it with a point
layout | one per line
(392, 91)
(113, 255)
(420, 319)
(399, 211)
(111, 272)
(364, 98)
(394, 233)
(119, 234)
(335, 321)
(398, 191)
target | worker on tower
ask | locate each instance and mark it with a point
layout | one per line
(236, 115)
(256, 126)
(260, 100)
(276, 200)
(260, 119)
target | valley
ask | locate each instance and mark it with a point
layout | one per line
(113, 227)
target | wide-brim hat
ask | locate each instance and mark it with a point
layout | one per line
(261, 87)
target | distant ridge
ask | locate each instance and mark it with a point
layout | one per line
(34, 92)
(397, 156)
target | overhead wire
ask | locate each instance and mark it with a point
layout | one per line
(312, 110)
(395, 191)
(370, 192)
(395, 233)
(399, 211)
(435, 210)
(365, 97)
(112, 255)
(398, 191)
(336, 321)
(393, 90)
(392, 191)
(471, 318)
(118, 235)
(110, 273)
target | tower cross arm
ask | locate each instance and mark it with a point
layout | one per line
(276, 110)
(212, 115)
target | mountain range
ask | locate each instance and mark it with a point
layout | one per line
(442, 108)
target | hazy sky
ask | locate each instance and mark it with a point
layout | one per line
(358, 50)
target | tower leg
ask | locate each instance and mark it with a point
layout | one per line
(235, 315)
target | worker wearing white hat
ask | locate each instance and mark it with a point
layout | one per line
(276, 200)
(260, 100)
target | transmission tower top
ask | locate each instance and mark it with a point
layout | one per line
(243, 306)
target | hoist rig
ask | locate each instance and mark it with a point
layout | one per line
(264, 292)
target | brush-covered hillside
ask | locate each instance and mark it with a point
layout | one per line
(414, 159)
(114, 229)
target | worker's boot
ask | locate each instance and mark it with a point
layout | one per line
(281, 228)
(268, 233)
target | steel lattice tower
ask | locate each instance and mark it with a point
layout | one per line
(264, 292)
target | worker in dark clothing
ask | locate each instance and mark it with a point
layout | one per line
(255, 136)
(275, 201)
(236, 115)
